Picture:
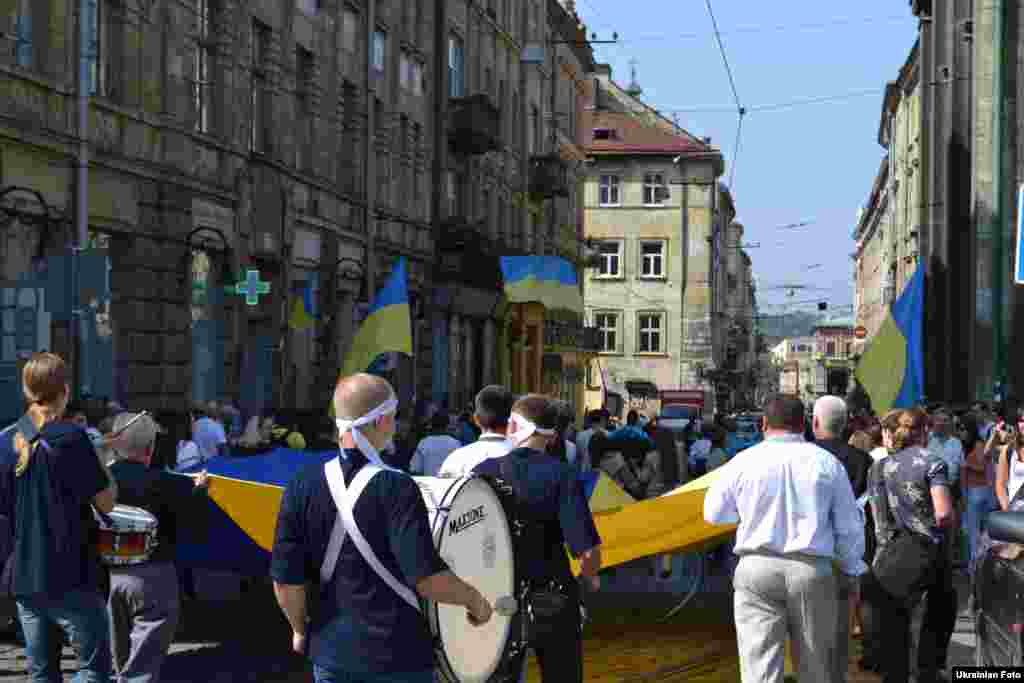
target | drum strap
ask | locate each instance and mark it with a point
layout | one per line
(345, 498)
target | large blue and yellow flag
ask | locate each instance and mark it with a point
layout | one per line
(387, 328)
(245, 496)
(547, 280)
(892, 368)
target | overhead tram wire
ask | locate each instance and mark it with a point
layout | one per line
(740, 111)
(736, 149)
(779, 28)
(725, 58)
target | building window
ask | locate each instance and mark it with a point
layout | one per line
(607, 331)
(655, 189)
(652, 259)
(304, 79)
(611, 259)
(411, 75)
(649, 326)
(609, 191)
(379, 51)
(485, 211)
(830, 348)
(456, 67)
(23, 34)
(349, 22)
(204, 54)
(94, 50)
(533, 131)
(259, 103)
(514, 118)
(451, 194)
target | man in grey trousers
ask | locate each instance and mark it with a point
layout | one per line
(797, 516)
(144, 605)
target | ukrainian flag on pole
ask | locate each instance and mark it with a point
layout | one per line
(892, 368)
(387, 328)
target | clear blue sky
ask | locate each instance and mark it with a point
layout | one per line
(809, 162)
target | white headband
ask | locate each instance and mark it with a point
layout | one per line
(525, 429)
(365, 447)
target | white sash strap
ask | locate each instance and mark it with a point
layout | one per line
(345, 499)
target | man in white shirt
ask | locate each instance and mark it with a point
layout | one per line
(491, 414)
(434, 449)
(797, 515)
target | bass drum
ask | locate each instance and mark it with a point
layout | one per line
(473, 531)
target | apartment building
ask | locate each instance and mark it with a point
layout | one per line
(652, 205)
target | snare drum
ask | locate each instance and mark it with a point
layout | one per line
(126, 536)
(474, 532)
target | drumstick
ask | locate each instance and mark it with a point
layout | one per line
(128, 424)
(506, 606)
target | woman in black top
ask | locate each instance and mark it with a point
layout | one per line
(50, 475)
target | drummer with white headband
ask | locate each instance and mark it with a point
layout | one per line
(555, 513)
(360, 530)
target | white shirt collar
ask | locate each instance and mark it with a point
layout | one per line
(785, 438)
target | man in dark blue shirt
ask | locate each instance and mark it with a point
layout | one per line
(363, 628)
(550, 501)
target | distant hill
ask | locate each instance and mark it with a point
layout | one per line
(798, 324)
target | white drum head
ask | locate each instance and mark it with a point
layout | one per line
(474, 538)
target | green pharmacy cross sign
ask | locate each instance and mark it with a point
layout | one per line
(252, 287)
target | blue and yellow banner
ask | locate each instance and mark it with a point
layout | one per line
(547, 280)
(387, 327)
(303, 314)
(245, 496)
(892, 367)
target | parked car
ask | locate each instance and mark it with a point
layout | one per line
(998, 589)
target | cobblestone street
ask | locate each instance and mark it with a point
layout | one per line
(225, 637)
(236, 638)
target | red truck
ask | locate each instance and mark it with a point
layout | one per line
(681, 408)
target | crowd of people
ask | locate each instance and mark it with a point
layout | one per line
(862, 523)
(846, 525)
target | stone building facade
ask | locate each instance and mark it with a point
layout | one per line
(312, 142)
(891, 224)
(652, 202)
(737, 316)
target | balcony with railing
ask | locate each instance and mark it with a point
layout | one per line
(467, 254)
(474, 125)
(549, 177)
